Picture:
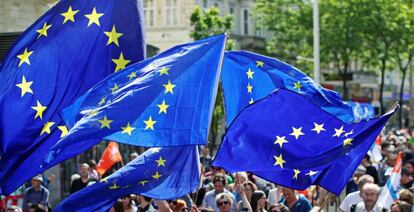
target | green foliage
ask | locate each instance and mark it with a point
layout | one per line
(207, 23)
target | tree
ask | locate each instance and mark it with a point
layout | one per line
(207, 23)
(290, 23)
(403, 48)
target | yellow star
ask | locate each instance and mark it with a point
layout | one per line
(348, 141)
(69, 15)
(169, 87)
(120, 62)
(297, 85)
(94, 17)
(156, 176)
(163, 107)
(251, 101)
(338, 132)
(249, 74)
(25, 86)
(161, 162)
(149, 124)
(259, 63)
(142, 182)
(104, 180)
(24, 58)
(114, 186)
(318, 128)
(311, 173)
(349, 133)
(113, 36)
(164, 71)
(103, 100)
(46, 127)
(297, 171)
(132, 75)
(105, 122)
(127, 129)
(279, 161)
(280, 140)
(113, 89)
(297, 132)
(92, 112)
(43, 30)
(64, 130)
(249, 88)
(39, 110)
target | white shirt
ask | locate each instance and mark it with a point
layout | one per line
(274, 196)
(350, 199)
(360, 207)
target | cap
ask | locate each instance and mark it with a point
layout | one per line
(38, 177)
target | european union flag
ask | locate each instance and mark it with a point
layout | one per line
(166, 100)
(159, 173)
(64, 53)
(247, 77)
(288, 140)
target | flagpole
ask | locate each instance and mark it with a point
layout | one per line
(316, 58)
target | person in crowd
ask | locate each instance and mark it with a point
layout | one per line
(239, 177)
(181, 206)
(244, 204)
(93, 174)
(13, 208)
(248, 189)
(36, 194)
(370, 169)
(127, 204)
(205, 159)
(386, 164)
(145, 204)
(295, 202)
(355, 197)
(224, 202)
(278, 208)
(274, 195)
(410, 166)
(407, 196)
(352, 185)
(83, 181)
(258, 202)
(37, 208)
(400, 206)
(406, 179)
(369, 194)
(117, 207)
(219, 182)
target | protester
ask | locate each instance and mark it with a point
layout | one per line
(295, 202)
(370, 193)
(83, 181)
(401, 206)
(127, 204)
(219, 181)
(224, 202)
(36, 194)
(355, 197)
(13, 208)
(258, 202)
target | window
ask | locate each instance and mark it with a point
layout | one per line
(245, 21)
(171, 13)
(149, 13)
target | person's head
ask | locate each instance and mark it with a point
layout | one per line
(92, 164)
(370, 192)
(278, 208)
(249, 188)
(117, 206)
(364, 179)
(37, 208)
(224, 202)
(133, 155)
(289, 195)
(400, 206)
(84, 170)
(219, 182)
(360, 171)
(181, 206)
(405, 176)
(410, 166)
(143, 199)
(407, 196)
(241, 177)
(172, 204)
(216, 170)
(126, 201)
(258, 201)
(13, 208)
(37, 180)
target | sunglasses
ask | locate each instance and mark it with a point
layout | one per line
(174, 202)
(223, 203)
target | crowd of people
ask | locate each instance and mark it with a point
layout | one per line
(225, 192)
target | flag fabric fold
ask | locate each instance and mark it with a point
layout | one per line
(289, 140)
(64, 53)
(109, 157)
(166, 100)
(247, 77)
(159, 173)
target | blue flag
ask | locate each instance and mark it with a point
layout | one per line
(159, 173)
(166, 100)
(64, 53)
(247, 77)
(288, 140)
(362, 110)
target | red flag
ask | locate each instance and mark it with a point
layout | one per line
(110, 156)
